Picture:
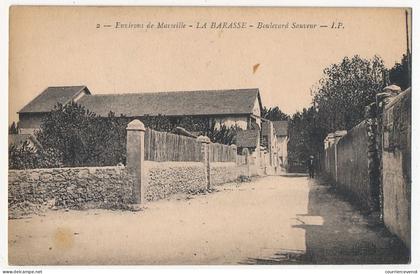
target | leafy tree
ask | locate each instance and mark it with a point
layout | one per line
(400, 74)
(346, 88)
(305, 135)
(25, 156)
(274, 114)
(339, 103)
(223, 135)
(13, 129)
(22, 157)
(83, 138)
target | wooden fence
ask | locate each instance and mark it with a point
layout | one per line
(165, 147)
(222, 153)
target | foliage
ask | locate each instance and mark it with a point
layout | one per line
(305, 136)
(22, 157)
(13, 129)
(223, 135)
(339, 103)
(82, 138)
(197, 125)
(345, 89)
(27, 157)
(274, 114)
(400, 74)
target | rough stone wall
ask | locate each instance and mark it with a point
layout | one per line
(224, 172)
(166, 178)
(71, 187)
(352, 164)
(329, 163)
(396, 166)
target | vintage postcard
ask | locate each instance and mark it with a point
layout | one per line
(209, 136)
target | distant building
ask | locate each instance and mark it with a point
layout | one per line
(240, 107)
(281, 131)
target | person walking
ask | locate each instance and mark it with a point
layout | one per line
(311, 166)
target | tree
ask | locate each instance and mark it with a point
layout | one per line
(305, 136)
(339, 103)
(400, 73)
(274, 114)
(13, 129)
(346, 88)
(82, 137)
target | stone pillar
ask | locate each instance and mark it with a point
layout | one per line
(135, 158)
(381, 100)
(245, 152)
(205, 152)
(234, 150)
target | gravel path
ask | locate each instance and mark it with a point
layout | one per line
(272, 220)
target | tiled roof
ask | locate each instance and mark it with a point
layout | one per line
(46, 101)
(281, 127)
(177, 103)
(247, 138)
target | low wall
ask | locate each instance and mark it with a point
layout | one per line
(224, 172)
(71, 187)
(396, 166)
(352, 165)
(166, 178)
(112, 187)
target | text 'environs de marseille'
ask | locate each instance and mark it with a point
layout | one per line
(216, 25)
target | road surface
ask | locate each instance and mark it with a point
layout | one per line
(271, 220)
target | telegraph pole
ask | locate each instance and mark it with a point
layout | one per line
(408, 46)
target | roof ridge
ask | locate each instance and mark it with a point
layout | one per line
(66, 86)
(176, 91)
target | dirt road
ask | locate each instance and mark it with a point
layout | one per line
(272, 220)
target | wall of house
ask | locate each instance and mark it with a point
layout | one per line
(396, 166)
(256, 110)
(282, 150)
(29, 122)
(241, 121)
(71, 187)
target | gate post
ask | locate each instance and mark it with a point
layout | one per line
(205, 152)
(135, 158)
(245, 151)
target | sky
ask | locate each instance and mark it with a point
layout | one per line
(62, 46)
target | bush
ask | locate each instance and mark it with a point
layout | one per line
(26, 157)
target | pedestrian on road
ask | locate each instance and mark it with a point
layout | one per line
(311, 166)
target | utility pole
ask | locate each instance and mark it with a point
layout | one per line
(408, 46)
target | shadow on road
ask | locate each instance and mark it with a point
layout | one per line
(336, 233)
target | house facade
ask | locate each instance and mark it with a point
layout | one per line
(232, 107)
(281, 132)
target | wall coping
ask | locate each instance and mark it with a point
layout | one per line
(67, 168)
(397, 98)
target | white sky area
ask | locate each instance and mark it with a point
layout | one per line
(62, 46)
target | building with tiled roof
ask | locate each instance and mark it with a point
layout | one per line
(240, 107)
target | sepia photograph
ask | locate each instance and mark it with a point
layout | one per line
(209, 135)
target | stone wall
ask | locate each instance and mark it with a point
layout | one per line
(396, 166)
(71, 187)
(352, 165)
(223, 172)
(329, 162)
(166, 178)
